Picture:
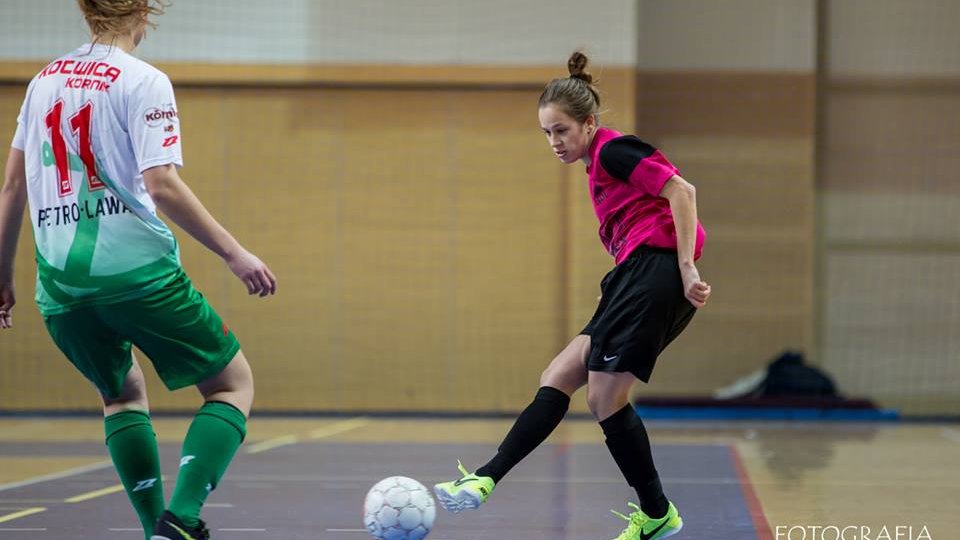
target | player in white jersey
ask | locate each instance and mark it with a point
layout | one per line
(96, 152)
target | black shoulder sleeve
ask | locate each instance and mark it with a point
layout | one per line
(620, 156)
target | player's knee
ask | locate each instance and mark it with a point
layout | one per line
(549, 374)
(564, 376)
(236, 377)
(595, 402)
(603, 404)
(125, 403)
(241, 380)
(233, 385)
(133, 395)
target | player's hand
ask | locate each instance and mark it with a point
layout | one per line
(252, 272)
(694, 289)
(7, 300)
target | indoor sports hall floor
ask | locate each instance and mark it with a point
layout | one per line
(305, 479)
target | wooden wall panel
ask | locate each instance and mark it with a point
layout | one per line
(894, 140)
(417, 235)
(746, 142)
(427, 242)
(755, 104)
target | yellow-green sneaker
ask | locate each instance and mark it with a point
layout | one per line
(642, 527)
(467, 493)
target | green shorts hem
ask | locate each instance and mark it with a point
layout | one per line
(176, 383)
(175, 327)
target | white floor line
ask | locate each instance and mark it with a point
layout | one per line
(335, 428)
(951, 434)
(94, 494)
(57, 476)
(338, 428)
(270, 444)
(22, 529)
(22, 513)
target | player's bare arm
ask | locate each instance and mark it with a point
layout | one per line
(175, 199)
(13, 200)
(683, 205)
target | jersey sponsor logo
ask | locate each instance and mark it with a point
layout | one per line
(100, 70)
(144, 484)
(159, 115)
(170, 141)
(81, 83)
(68, 214)
(169, 129)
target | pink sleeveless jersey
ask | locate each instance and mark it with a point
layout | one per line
(629, 208)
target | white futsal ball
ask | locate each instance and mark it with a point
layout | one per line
(399, 508)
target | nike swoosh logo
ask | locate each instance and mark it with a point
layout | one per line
(610, 358)
(463, 481)
(185, 534)
(651, 534)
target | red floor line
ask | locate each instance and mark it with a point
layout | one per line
(760, 524)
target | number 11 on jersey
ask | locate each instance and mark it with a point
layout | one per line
(80, 125)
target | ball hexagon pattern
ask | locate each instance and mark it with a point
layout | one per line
(399, 508)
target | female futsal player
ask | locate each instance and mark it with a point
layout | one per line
(648, 223)
(96, 152)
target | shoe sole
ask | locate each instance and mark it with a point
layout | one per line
(464, 500)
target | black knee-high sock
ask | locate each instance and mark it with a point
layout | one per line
(628, 443)
(532, 427)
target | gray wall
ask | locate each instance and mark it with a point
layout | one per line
(727, 35)
(354, 31)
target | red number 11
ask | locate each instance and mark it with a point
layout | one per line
(80, 124)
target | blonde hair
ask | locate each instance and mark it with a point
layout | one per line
(117, 17)
(576, 94)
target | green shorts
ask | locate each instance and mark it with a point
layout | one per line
(174, 326)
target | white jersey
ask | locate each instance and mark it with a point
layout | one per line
(91, 123)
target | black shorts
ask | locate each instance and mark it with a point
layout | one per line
(642, 309)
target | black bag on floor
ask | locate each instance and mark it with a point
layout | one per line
(788, 375)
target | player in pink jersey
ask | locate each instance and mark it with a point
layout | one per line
(95, 154)
(648, 223)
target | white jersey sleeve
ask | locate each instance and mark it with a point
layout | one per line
(18, 136)
(153, 124)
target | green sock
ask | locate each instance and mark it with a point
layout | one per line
(213, 438)
(133, 449)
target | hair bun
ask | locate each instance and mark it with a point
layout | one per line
(577, 64)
